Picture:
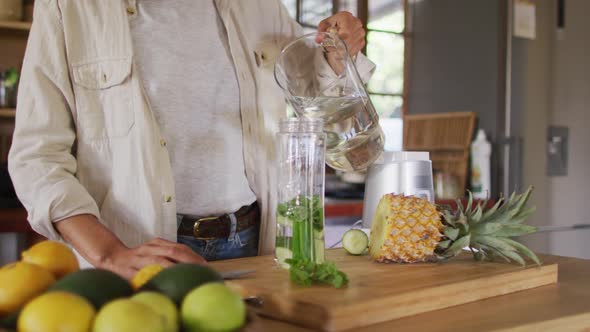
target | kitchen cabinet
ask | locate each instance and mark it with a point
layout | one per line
(14, 229)
(13, 41)
(13, 38)
(11, 25)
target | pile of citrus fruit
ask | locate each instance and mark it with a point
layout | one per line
(47, 292)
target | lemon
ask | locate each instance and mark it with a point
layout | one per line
(19, 283)
(56, 312)
(56, 257)
(145, 274)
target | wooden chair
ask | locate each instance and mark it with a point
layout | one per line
(447, 136)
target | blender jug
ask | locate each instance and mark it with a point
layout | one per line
(320, 80)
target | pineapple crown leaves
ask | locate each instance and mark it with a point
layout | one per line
(488, 232)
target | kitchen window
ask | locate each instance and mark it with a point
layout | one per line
(386, 45)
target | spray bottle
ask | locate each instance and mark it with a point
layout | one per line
(481, 151)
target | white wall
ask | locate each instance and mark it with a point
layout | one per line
(551, 80)
(455, 59)
(456, 63)
(455, 49)
(570, 195)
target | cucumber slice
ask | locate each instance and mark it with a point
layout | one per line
(320, 248)
(355, 241)
(282, 220)
(282, 254)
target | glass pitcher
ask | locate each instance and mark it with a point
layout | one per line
(300, 210)
(320, 80)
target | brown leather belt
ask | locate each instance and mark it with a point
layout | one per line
(208, 228)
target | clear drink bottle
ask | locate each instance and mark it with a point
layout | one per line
(301, 171)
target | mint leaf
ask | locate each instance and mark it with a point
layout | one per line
(303, 209)
(305, 273)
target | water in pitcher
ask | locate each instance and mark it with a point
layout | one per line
(354, 140)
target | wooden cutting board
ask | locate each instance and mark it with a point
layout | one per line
(379, 292)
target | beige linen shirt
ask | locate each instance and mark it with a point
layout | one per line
(86, 140)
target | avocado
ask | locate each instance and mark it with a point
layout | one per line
(177, 280)
(96, 285)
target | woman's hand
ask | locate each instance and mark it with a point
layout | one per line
(101, 248)
(348, 28)
(127, 261)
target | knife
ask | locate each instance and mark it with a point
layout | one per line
(236, 274)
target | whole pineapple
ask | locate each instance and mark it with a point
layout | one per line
(411, 229)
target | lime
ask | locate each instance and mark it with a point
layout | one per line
(213, 307)
(125, 315)
(177, 280)
(96, 285)
(162, 305)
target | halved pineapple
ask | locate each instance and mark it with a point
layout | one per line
(404, 229)
(411, 229)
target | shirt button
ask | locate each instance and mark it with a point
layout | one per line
(163, 142)
(168, 198)
(130, 10)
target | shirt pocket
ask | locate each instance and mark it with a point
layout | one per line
(103, 95)
(266, 54)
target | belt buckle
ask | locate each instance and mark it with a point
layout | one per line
(196, 228)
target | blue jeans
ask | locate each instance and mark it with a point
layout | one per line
(242, 244)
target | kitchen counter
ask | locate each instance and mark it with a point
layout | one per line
(561, 307)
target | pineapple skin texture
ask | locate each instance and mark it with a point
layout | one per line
(405, 229)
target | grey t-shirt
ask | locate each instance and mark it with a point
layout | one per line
(183, 58)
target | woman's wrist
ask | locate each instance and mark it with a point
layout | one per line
(91, 239)
(107, 257)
